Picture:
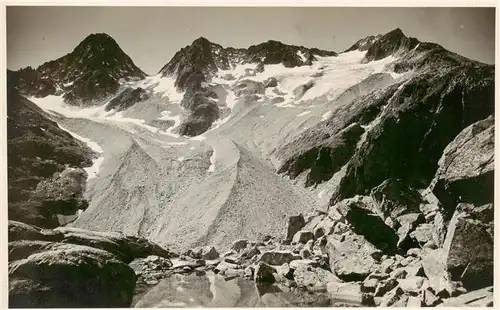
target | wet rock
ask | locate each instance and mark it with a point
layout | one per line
(349, 293)
(264, 273)
(295, 224)
(70, 276)
(477, 298)
(353, 259)
(239, 245)
(277, 257)
(303, 236)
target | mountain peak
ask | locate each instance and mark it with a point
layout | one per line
(201, 41)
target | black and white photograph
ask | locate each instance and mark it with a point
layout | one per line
(224, 156)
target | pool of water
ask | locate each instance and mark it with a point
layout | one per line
(212, 290)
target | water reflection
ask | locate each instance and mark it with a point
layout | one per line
(212, 290)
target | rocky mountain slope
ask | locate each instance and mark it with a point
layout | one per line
(361, 177)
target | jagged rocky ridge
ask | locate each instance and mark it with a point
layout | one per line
(406, 225)
(90, 73)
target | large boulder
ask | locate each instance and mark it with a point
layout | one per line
(477, 298)
(70, 276)
(469, 246)
(466, 169)
(394, 198)
(295, 224)
(276, 257)
(62, 194)
(23, 231)
(352, 259)
(125, 248)
(308, 276)
(369, 225)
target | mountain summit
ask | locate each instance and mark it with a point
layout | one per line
(91, 72)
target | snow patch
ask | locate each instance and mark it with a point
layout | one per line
(327, 116)
(304, 113)
(93, 170)
(212, 163)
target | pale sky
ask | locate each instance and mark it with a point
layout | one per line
(152, 35)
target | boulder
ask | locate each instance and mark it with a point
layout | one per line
(305, 253)
(370, 225)
(429, 298)
(466, 168)
(303, 236)
(439, 229)
(434, 265)
(309, 276)
(271, 82)
(469, 246)
(395, 198)
(414, 302)
(408, 223)
(477, 298)
(394, 298)
(275, 257)
(264, 273)
(63, 193)
(125, 248)
(295, 224)
(422, 233)
(369, 285)
(239, 245)
(385, 286)
(349, 293)
(22, 231)
(70, 276)
(411, 284)
(248, 87)
(209, 252)
(353, 259)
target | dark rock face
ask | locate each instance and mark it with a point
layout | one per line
(469, 246)
(420, 120)
(65, 275)
(326, 159)
(90, 72)
(36, 149)
(466, 169)
(363, 44)
(127, 98)
(22, 231)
